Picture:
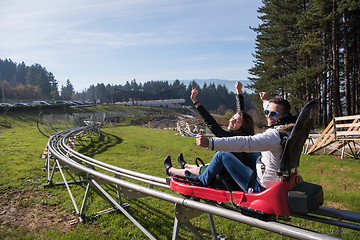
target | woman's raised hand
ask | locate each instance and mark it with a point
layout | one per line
(238, 86)
(194, 93)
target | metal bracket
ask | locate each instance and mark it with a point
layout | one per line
(184, 215)
(98, 180)
(131, 194)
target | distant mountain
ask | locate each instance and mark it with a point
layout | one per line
(229, 84)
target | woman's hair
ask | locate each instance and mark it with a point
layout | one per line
(247, 126)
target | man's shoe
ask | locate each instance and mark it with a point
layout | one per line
(181, 161)
(167, 165)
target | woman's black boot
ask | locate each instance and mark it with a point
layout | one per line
(181, 161)
(167, 165)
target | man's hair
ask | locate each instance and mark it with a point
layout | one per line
(283, 103)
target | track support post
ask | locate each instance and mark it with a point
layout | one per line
(183, 215)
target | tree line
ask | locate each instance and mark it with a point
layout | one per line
(26, 83)
(22, 83)
(215, 98)
(309, 49)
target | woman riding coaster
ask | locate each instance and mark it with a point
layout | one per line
(237, 126)
(280, 122)
(240, 124)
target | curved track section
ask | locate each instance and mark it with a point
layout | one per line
(191, 126)
(71, 163)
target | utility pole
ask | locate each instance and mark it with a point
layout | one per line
(111, 93)
(3, 93)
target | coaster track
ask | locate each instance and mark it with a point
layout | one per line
(61, 157)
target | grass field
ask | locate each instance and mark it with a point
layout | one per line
(29, 211)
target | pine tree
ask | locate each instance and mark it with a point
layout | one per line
(310, 50)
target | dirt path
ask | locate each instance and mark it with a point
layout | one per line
(25, 209)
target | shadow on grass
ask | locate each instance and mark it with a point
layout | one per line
(100, 146)
(161, 222)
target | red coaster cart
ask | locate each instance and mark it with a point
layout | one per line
(289, 196)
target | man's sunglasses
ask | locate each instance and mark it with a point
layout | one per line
(272, 113)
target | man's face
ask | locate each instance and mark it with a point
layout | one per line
(277, 108)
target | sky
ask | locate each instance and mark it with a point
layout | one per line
(114, 41)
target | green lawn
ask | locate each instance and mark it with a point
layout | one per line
(143, 150)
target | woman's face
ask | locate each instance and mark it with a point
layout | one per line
(235, 122)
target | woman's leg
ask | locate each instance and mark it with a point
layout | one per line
(238, 171)
(181, 172)
(187, 166)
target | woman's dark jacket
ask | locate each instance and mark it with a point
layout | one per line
(218, 131)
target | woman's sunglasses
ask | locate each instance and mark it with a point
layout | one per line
(272, 113)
